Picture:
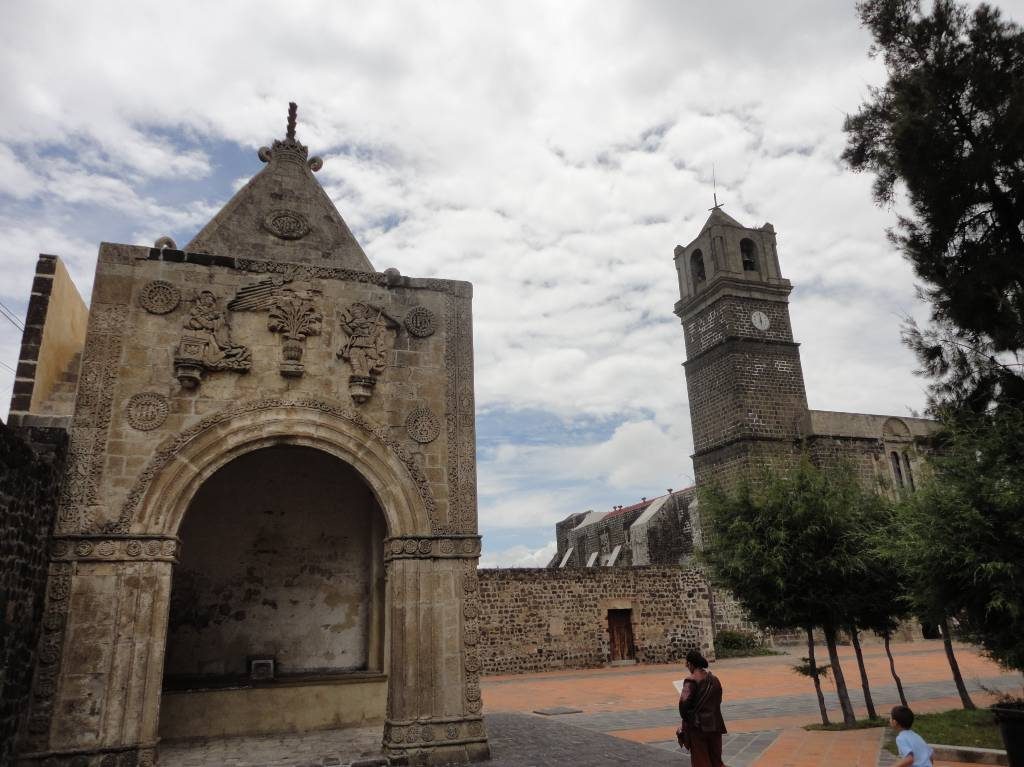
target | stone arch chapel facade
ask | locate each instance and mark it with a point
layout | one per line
(268, 517)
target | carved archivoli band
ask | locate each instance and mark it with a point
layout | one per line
(432, 547)
(70, 548)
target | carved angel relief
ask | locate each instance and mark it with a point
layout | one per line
(371, 334)
(290, 312)
(206, 343)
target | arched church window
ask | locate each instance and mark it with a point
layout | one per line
(897, 472)
(907, 470)
(748, 254)
(697, 268)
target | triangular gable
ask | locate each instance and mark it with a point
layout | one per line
(283, 214)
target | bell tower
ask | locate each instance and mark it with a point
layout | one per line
(745, 384)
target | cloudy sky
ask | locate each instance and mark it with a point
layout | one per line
(551, 153)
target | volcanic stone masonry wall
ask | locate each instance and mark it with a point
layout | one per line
(544, 619)
(29, 482)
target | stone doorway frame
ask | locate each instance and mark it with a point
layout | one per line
(433, 704)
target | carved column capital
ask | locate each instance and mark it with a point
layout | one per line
(114, 548)
(432, 547)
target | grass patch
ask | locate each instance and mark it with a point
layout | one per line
(958, 727)
(860, 724)
(748, 652)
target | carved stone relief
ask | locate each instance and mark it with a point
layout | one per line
(50, 650)
(420, 322)
(471, 636)
(460, 417)
(371, 334)
(286, 224)
(291, 311)
(432, 547)
(100, 364)
(114, 549)
(147, 411)
(159, 297)
(429, 733)
(206, 343)
(422, 425)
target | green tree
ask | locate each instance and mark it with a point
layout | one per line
(963, 533)
(887, 602)
(787, 549)
(947, 129)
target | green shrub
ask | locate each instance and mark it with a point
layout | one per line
(739, 644)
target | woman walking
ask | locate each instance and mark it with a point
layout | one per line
(700, 708)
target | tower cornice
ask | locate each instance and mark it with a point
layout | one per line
(777, 290)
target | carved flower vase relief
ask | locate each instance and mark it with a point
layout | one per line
(371, 334)
(295, 318)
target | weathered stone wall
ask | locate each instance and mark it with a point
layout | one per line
(543, 619)
(281, 556)
(30, 471)
(670, 536)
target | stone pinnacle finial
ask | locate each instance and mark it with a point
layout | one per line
(293, 112)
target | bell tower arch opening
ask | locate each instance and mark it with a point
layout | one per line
(276, 617)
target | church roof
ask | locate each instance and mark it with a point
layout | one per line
(283, 214)
(719, 217)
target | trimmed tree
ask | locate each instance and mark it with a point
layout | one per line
(962, 534)
(787, 549)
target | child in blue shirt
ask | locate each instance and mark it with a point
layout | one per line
(913, 749)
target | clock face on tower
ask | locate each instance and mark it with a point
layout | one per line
(760, 320)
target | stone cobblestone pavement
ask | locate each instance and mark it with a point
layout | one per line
(623, 717)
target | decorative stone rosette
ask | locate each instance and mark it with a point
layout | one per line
(286, 224)
(424, 734)
(422, 425)
(432, 547)
(147, 410)
(99, 549)
(420, 322)
(159, 297)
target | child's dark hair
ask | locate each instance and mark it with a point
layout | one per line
(903, 716)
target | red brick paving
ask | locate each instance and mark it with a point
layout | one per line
(634, 688)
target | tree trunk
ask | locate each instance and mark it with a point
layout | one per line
(849, 718)
(892, 670)
(947, 642)
(869, 703)
(815, 677)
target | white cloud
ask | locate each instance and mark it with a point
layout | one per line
(519, 556)
(551, 154)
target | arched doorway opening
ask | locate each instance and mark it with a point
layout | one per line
(276, 619)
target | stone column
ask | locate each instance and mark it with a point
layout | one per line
(96, 690)
(434, 713)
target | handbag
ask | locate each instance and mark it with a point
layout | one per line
(683, 736)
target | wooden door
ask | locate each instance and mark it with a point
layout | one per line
(620, 632)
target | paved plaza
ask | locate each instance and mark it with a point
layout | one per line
(627, 715)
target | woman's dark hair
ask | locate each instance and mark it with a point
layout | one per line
(695, 658)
